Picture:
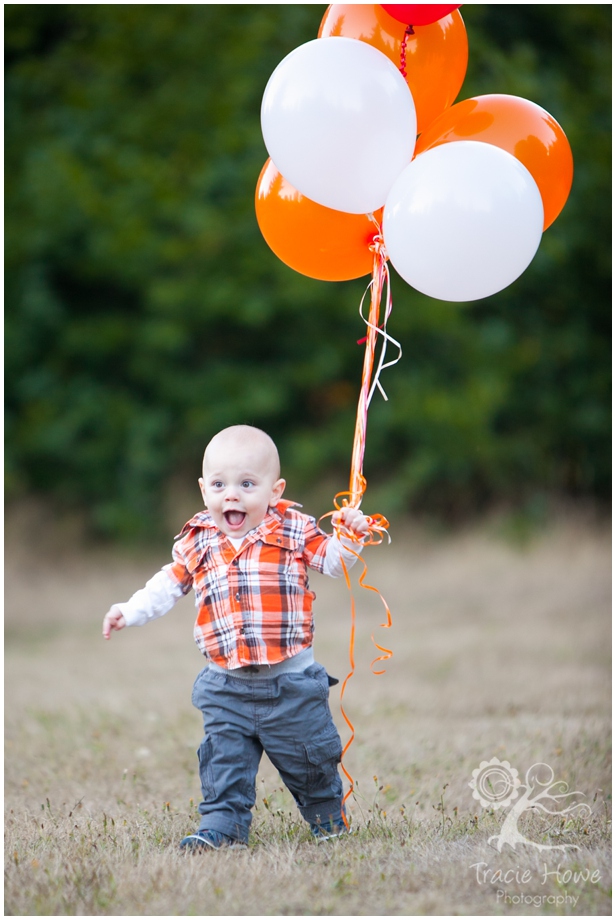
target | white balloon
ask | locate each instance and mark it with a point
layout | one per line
(463, 221)
(339, 122)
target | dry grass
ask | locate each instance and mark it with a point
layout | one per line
(499, 651)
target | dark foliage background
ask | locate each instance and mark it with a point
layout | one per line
(144, 311)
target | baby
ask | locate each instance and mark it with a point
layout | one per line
(246, 556)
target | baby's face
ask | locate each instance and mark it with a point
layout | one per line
(239, 484)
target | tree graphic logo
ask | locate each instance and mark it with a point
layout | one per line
(496, 784)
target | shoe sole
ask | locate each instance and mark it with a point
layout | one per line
(320, 838)
(202, 844)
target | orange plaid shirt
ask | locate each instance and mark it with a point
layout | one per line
(254, 603)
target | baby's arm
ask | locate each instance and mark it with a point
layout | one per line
(154, 600)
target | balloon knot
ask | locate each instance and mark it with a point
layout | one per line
(378, 246)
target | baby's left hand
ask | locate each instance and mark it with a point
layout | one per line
(352, 518)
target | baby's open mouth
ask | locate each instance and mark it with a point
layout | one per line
(235, 518)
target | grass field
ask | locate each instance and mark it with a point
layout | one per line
(501, 650)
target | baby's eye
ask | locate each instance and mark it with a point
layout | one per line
(217, 484)
(247, 484)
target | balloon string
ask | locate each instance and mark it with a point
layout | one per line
(377, 524)
(377, 531)
(380, 281)
(382, 330)
(407, 32)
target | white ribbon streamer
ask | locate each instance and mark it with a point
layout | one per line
(381, 365)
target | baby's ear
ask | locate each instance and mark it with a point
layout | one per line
(277, 490)
(202, 487)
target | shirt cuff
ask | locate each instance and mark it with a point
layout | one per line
(337, 550)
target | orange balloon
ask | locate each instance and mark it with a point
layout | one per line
(314, 240)
(436, 55)
(520, 127)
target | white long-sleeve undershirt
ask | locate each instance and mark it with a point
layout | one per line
(161, 592)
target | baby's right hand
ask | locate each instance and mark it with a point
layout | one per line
(114, 619)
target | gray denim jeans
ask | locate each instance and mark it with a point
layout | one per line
(288, 717)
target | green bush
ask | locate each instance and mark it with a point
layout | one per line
(144, 311)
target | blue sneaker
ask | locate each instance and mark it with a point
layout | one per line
(329, 830)
(209, 840)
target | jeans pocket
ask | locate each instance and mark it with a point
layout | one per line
(323, 754)
(317, 673)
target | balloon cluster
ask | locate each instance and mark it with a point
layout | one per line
(371, 160)
(365, 141)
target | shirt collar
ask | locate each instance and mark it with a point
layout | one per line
(272, 520)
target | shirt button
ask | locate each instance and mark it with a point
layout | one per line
(236, 562)
(237, 596)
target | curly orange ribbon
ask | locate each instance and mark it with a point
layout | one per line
(377, 531)
(377, 524)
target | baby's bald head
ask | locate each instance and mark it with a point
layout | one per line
(253, 445)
